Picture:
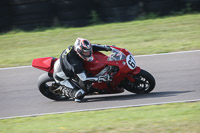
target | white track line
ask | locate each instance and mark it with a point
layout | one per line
(10, 68)
(171, 53)
(95, 109)
(181, 52)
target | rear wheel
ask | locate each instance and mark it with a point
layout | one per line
(144, 83)
(50, 89)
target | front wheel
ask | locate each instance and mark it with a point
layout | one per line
(50, 89)
(144, 83)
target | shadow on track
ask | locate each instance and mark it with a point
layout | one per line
(134, 96)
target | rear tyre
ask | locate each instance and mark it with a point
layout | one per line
(49, 88)
(144, 83)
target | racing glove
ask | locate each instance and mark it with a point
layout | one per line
(107, 48)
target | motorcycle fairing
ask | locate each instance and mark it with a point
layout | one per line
(126, 71)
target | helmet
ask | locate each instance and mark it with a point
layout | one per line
(83, 48)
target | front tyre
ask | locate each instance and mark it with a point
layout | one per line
(144, 83)
(49, 88)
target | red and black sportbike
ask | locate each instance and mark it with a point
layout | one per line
(120, 65)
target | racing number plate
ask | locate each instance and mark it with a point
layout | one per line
(130, 62)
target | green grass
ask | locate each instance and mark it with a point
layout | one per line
(168, 118)
(168, 34)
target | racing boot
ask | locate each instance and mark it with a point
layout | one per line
(78, 94)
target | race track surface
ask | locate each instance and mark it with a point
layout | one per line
(177, 76)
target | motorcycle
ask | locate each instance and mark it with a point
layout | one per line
(120, 65)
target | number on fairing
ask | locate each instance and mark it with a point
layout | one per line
(130, 61)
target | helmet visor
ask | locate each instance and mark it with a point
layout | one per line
(86, 53)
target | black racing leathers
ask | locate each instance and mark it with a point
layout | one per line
(72, 63)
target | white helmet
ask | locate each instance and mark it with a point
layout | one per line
(83, 48)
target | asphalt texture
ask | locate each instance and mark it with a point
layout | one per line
(177, 78)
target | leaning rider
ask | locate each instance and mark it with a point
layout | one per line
(70, 65)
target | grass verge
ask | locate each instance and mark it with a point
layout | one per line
(167, 118)
(169, 34)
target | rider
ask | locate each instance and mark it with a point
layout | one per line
(70, 65)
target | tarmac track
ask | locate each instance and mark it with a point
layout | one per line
(177, 76)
